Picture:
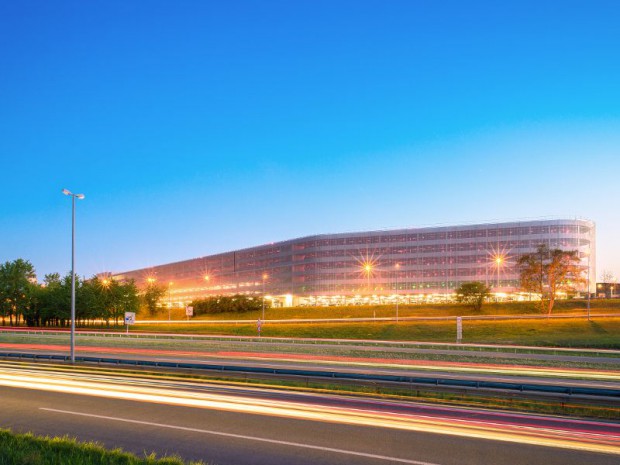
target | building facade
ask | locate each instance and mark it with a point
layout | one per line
(409, 265)
(608, 290)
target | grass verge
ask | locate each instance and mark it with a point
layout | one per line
(569, 332)
(28, 449)
(409, 310)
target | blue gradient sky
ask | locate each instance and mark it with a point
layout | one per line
(196, 127)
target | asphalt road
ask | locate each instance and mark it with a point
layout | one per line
(604, 379)
(237, 426)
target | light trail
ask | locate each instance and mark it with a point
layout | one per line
(242, 436)
(588, 436)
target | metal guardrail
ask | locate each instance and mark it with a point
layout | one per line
(446, 382)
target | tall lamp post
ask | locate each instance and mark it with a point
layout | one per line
(73, 197)
(498, 262)
(397, 267)
(169, 299)
(265, 276)
(588, 285)
(368, 270)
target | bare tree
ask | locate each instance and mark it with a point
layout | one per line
(607, 276)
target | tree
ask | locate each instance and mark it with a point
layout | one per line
(473, 293)
(151, 296)
(16, 283)
(549, 271)
(607, 276)
(54, 300)
(237, 303)
(123, 297)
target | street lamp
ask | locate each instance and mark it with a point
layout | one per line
(206, 278)
(588, 298)
(397, 266)
(169, 299)
(367, 267)
(265, 276)
(498, 262)
(73, 197)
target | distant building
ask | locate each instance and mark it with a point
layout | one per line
(610, 290)
(411, 265)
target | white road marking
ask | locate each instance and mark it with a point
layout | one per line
(241, 436)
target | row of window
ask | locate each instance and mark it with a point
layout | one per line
(430, 286)
(486, 247)
(445, 235)
(262, 252)
(478, 273)
(388, 266)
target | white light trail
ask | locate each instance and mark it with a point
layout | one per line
(161, 392)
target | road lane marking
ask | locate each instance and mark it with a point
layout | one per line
(241, 436)
(510, 433)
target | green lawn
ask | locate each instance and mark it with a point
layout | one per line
(27, 449)
(571, 332)
(364, 311)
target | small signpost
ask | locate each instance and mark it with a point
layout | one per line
(130, 319)
(459, 329)
(189, 311)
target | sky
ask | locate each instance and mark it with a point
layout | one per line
(197, 127)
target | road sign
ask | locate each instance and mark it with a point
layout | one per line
(459, 329)
(130, 318)
(189, 311)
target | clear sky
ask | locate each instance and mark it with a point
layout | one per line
(195, 127)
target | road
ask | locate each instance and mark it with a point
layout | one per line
(230, 425)
(574, 377)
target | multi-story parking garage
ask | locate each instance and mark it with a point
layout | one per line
(405, 264)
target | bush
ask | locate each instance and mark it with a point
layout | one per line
(228, 304)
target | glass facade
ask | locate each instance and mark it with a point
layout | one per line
(408, 263)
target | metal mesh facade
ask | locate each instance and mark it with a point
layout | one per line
(405, 262)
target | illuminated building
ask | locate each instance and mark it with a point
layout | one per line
(376, 266)
(609, 290)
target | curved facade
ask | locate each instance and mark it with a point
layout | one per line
(404, 264)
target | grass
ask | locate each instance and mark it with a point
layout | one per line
(27, 449)
(417, 310)
(340, 352)
(569, 332)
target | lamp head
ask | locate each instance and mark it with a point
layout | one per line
(66, 192)
(80, 196)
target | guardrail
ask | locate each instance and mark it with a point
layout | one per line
(410, 380)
